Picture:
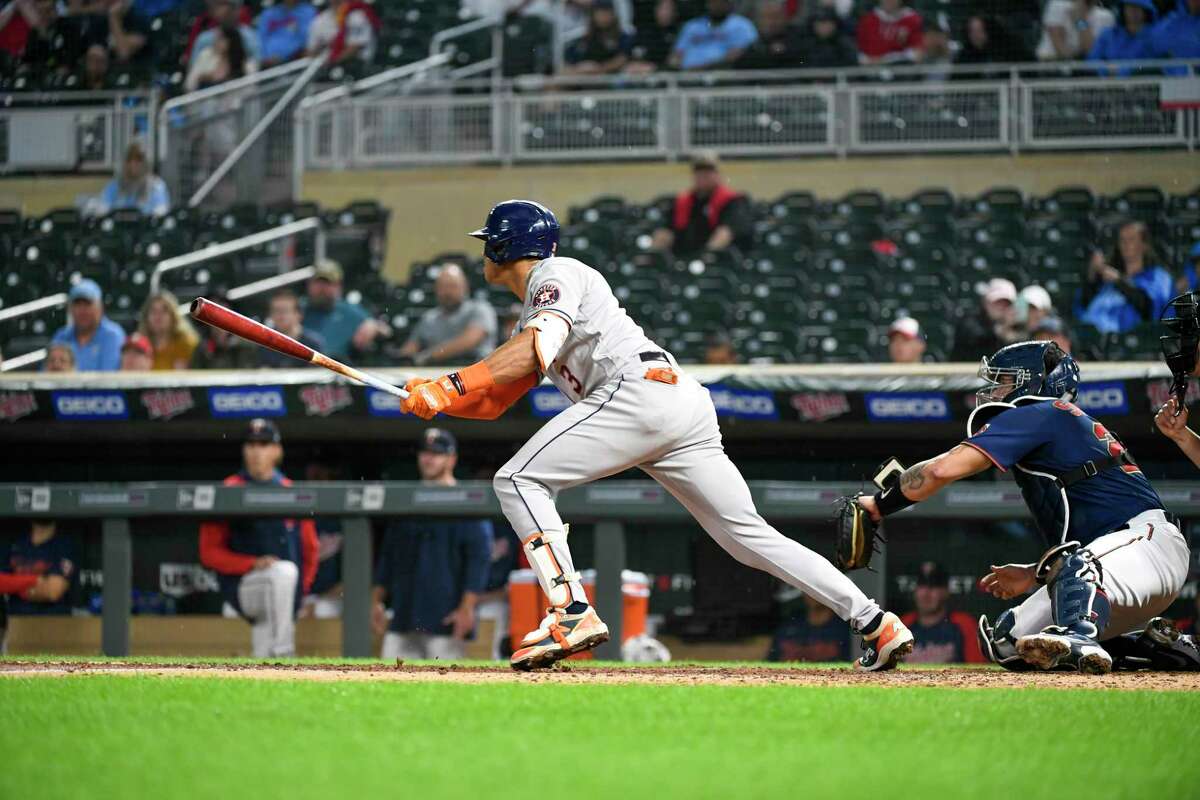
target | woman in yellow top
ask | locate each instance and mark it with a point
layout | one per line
(169, 331)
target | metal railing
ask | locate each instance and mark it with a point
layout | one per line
(999, 108)
(74, 131)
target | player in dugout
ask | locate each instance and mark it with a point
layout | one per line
(264, 565)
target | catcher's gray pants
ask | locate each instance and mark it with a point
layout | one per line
(670, 432)
(268, 597)
(1143, 568)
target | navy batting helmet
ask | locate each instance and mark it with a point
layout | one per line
(1028, 369)
(518, 229)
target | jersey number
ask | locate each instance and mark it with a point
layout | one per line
(1115, 448)
(576, 386)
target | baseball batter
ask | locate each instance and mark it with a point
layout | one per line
(633, 407)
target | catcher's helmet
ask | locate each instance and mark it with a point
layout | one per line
(1028, 369)
(1181, 319)
(518, 229)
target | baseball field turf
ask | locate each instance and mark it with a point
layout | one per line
(208, 730)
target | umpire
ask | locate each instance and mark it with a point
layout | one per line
(431, 571)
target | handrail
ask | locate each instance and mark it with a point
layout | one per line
(219, 249)
(441, 37)
(268, 119)
(33, 306)
(374, 81)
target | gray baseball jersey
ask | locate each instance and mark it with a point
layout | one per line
(625, 415)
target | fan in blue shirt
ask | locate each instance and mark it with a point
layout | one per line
(95, 339)
(1129, 287)
(716, 39)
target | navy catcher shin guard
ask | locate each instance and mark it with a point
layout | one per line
(1077, 600)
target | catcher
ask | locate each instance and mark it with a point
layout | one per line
(1115, 560)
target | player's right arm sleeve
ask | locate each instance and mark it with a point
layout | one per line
(215, 553)
(493, 401)
(1012, 435)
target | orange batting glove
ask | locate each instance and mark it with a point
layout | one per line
(426, 400)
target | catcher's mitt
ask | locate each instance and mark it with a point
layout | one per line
(856, 534)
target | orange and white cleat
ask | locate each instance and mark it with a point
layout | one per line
(560, 635)
(886, 646)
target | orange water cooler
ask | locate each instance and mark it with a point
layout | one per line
(528, 604)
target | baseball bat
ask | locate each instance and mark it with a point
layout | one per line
(228, 320)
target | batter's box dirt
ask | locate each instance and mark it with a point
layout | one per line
(958, 678)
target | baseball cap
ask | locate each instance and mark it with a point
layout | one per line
(1037, 297)
(328, 270)
(1000, 289)
(907, 327)
(262, 430)
(139, 342)
(932, 573)
(705, 159)
(436, 440)
(87, 289)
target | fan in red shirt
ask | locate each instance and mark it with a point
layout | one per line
(890, 33)
(943, 636)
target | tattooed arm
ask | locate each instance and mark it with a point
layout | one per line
(922, 481)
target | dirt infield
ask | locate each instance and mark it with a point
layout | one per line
(958, 678)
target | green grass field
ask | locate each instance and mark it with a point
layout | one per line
(146, 736)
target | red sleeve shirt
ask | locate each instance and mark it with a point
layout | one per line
(880, 35)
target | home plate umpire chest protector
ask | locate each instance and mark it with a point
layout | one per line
(634, 408)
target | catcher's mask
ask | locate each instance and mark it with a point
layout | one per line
(1181, 319)
(1028, 369)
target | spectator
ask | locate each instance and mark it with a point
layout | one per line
(990, 329)
(226, 59)
(17, 19)
(568, 16)
(347, 30)
(324, 600)
(906, 341)
(719, 350)
(170, 332)
(816, 634)
(778, 45)
(128, 33)
(987, 41)
(37, 570)
(1070, 28)
(94, 74)
(136, 187)
(1052, 329)
(709, 216)
(825, 46)
(283, 31)
(844, 9)
(219, 14)
(95, 338)
(221, 350)
(890, 33)
(431, 571)
(60, 358)
(1189, 281)
(946, 637)
(137, 354)
(1127, 289)
(656, 35)
(458, 329)
(285, 316)
(938, 53)
(1178, 35)
(343, 325)
(1034, 305)
(604, 48)
(264, 564)
(715, 40)
(1129, 40)
(55, 43)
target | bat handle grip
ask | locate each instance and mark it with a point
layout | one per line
(367, 378)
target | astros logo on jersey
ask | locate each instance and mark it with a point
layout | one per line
(546, 295)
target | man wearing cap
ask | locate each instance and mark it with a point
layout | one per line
(992, 327)
(1034, 304)
(943, 636)
(906, 341)
(95, 338)
(264, 565)
(284, 315)
(431, 571)
(341, 324)
(709, 216)
(137, 354)
(457, 330)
